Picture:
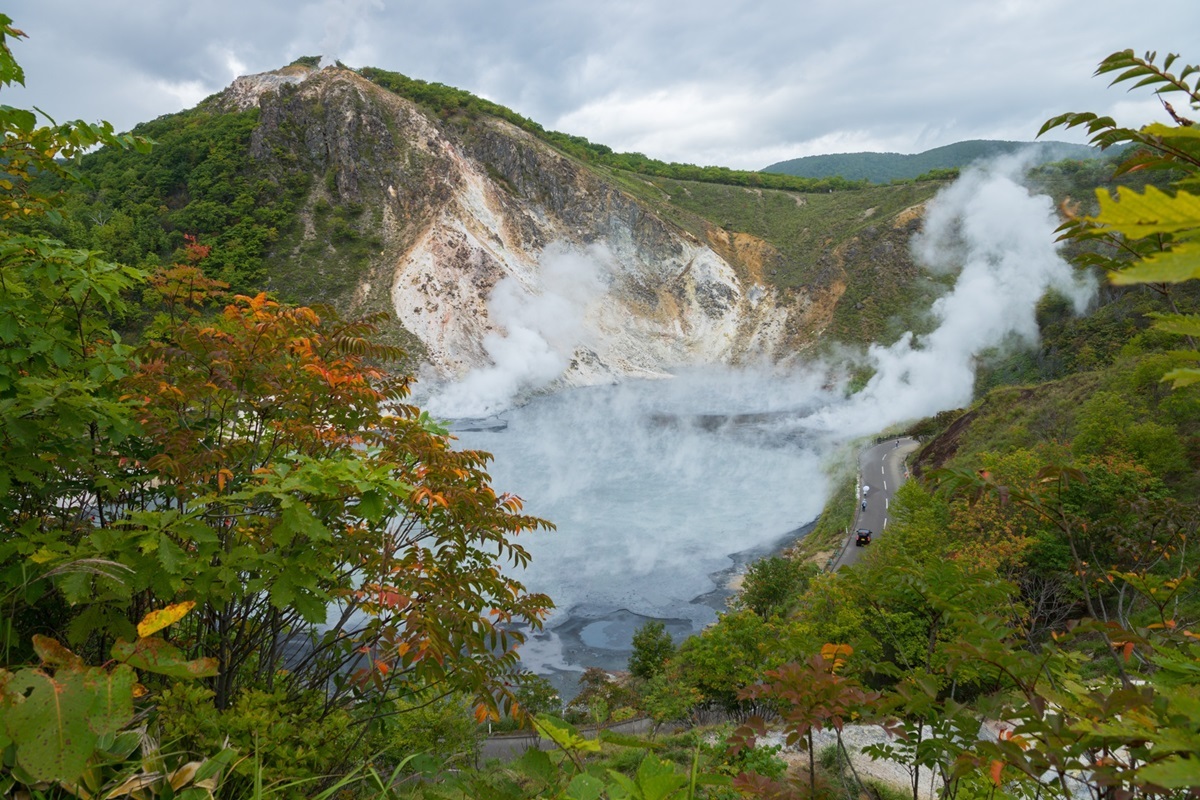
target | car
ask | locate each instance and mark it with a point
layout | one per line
(862, 536)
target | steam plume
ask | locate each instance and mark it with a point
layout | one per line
(1003, 238)
(541, 332)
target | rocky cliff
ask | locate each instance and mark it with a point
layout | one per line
(427, 217)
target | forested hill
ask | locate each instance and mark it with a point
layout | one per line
(887, 167)
(375, 192)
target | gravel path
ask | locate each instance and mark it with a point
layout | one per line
(856, 737)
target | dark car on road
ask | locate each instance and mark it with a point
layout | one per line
(862, 536)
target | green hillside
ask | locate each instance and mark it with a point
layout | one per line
(887, 167)
(205, 180)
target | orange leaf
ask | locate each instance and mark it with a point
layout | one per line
(155, 621)
(1128, 650)
(53, 653)
(997, 767)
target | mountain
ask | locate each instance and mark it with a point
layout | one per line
(887, 167)
(326, 186)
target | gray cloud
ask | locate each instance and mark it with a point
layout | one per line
(734, 83)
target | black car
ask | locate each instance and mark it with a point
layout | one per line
(862, 536)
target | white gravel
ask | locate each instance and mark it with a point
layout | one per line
(856, 737)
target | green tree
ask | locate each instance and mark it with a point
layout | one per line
(652, 648)
(59, 360)
(727, 656)
(772, 585)
(1108, 422)
(260, 468)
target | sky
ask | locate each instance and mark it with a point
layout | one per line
(733, 83)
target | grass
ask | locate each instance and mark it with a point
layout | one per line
(885, 791)
(851, 238)
(836, 518)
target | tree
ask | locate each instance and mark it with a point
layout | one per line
(773, 584)
(61, 719)
(59, 360)
(260, 469)
(652, 648)
(727, 656)
(280, 476)
(810, 696)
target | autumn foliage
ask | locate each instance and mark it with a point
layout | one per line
(245, 501)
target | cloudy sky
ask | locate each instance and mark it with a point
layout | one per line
(736, 83)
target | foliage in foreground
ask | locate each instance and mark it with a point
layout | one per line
(240, 521)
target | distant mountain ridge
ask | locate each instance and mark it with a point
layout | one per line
(887, 167)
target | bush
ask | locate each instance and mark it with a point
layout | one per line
(600, 698)
(652, 648)
(280, 739)
(772, 585)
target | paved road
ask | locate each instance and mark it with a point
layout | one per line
(512, 746)
(881, 471)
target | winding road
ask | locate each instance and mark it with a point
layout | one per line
(881, 471)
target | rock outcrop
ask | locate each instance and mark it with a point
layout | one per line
(423, 218)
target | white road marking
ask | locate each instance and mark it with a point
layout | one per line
(885, 486)
(885, 522)
(887, 503)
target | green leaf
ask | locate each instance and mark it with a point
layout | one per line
(564, 735)
(658, 779)
(298, 519)
(628, 789)
(537, 764)
(1140, 215)
(50, 727)
(112, 706)
(161, 657)
(1165, 131)
(1179, 324)
(1173, 772)
(1180, 263)
(585, 787)
(1184, 376)
(371, 506)
(170, 555)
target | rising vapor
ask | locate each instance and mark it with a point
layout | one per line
(659, 487)
(539, 333)
(1001, 238)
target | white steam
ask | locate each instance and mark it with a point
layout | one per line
(541, 331)
(654, 485)
(1002, 239)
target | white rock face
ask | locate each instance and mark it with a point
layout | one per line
(654, 314)
(462, 214)
(246, 90)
